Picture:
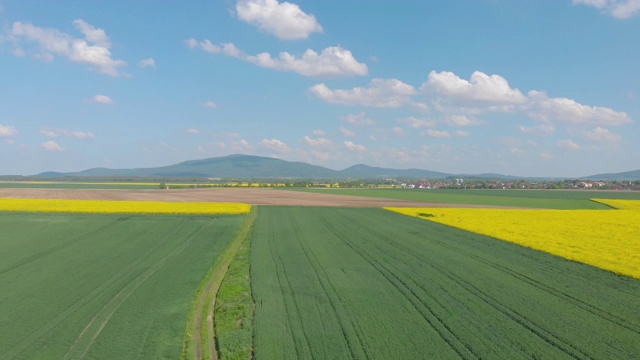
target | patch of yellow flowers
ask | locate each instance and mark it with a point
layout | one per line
(607, 239)
(620, 204)
(122, 207)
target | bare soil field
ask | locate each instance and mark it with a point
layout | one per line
(248, 196)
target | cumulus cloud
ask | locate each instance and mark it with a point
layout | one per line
(284, 20)
(332, 61)
(437, 134)
(493, 89)
(354, 147)
(550, 110)
(359, 119)
(320, 155)
(462, 133)
(51, 146)
(319, 132)
(568, 145)
(347, 132)
(398, 131)
(621, 9)
(210, 104)
(416, 123)
(383, 93)
(7, 131)
(92, 50)
(241, 146)
(102, 99)
(319, 142)
(600, 134)
(145, 63)
(276, 145)
(544, 129)
(460, 121)
(19, 52)
(193, 131)
(57, 132)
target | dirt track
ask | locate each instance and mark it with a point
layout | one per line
(249, 196)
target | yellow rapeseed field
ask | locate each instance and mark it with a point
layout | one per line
(608, 239)
(122, 207)
(620, 204)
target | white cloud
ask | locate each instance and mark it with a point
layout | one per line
(462, 133)
(102, 99)
(317, 142)
(551, 110)
(544, 129)
(51, 146)
(568, 145)
(241, 145)
(145, 63)
(319, 132)
(284, 20)
(398, 131)
(621, 9)
(416, 123)
(437, 134)
(193, 131)
(332, 61)
(481, 87)
(359, 119)
(276, 145)
(57, 132)
(347, 132)
(19, 52)
(460, 121)
(321, 155)
(92, 50)
(600, 134)
(546, 155)
(384, 93)
(354, 147)
(92, 34)
(210, 104)
(7, 131)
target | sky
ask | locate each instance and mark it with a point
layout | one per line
(526, 88)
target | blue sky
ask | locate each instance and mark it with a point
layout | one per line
(528, 88)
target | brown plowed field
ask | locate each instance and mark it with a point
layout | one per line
(248, 196)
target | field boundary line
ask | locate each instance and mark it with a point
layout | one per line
(200, 335)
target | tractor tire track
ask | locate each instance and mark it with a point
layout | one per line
(332, 295)
(436, 323)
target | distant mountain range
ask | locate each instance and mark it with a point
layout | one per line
(258, 167)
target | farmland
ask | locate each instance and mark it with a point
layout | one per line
(331, 275)
(607, 239)
(363, 283)
(101, 285)
(544, 199)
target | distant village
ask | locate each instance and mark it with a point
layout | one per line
(482, 184)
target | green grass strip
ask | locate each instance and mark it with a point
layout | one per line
(200, 338)
(234, 309)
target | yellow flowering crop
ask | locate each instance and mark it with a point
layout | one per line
(620, 204)
(122, 207)
(608, 239)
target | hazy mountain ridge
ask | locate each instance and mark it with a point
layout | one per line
(253, 167)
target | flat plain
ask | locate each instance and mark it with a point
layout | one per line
(102, 286)
(363, 283)
(332, 275)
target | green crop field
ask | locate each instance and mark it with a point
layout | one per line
(368, 284)
(87, 186)
(547, 199)
(102, 286)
